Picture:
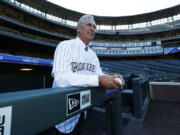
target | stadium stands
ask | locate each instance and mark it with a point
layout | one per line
(150, 68)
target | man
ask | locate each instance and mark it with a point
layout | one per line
(75, 64)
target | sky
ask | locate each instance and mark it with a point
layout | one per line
(115, 7)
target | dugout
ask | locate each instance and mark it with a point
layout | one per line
(14, 78)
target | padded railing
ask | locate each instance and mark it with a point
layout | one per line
(31, 112)
(141, 97)
(136, 96)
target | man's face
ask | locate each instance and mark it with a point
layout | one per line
(87, 30)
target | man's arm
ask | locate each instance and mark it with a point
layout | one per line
(64, 79)
(69, 79)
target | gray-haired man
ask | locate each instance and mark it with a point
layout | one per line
(75, 64)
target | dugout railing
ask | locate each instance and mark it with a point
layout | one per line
(141, 96)
(31, 112)
(136, 97)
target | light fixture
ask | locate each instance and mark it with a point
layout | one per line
(25, 69)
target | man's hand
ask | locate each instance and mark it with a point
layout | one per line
(110, 82)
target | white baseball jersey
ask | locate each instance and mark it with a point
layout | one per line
(74, 66)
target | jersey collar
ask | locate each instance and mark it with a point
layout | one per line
(82, 44)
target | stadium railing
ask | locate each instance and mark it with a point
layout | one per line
(31, 112)
(153, 50)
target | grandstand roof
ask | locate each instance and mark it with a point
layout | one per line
(67, 14)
